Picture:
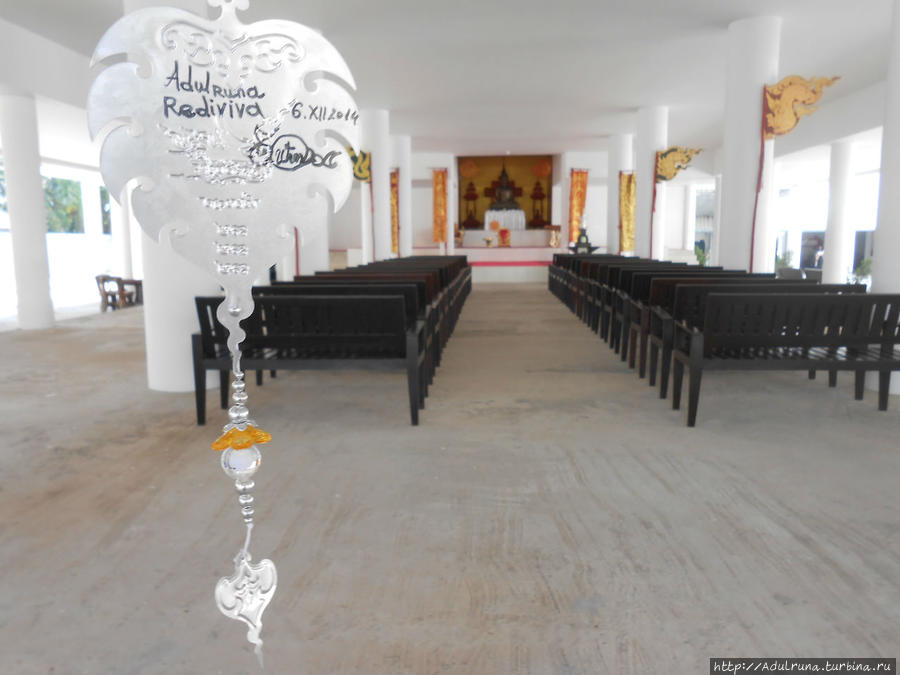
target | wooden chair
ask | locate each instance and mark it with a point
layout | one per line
(114, 292)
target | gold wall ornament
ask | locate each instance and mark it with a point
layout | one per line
(361, 165)
(626, 211)
(672, 160)
(468, 168)
(395, 211)
(439, 205)
(577, 199)
(789, 100)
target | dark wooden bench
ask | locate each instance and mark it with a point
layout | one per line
(684, 301)
(614, 292)
(634, 299)
(409, 291)
(752, 331)
(637, 305)
(299, 332)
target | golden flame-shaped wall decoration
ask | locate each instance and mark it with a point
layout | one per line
(577, 198)
(395, 211)
(672, 160)
(361, 165)
(789, 100)
(626, 211)
(439, 205)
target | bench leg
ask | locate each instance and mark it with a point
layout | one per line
(859, 384)
(812, 374)
(624, 337)
(642, 361)
(654, 360)
(223, 388)
(632, 346)
(884, 388)
(412, 377)
(832, 378)
(694, 377)
(259, 380)
(664, 366)
(199, 380)
(677, 376)
(273, 373)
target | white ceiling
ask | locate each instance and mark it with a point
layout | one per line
(490, 76)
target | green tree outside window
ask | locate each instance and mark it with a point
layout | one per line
(2, 191)
(105, 210)
(63, 200)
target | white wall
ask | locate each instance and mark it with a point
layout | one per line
(595, 201)
(674, 215)
(422, 199)
(344, 226)
(35, 64)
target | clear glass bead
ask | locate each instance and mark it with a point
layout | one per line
(241, 464)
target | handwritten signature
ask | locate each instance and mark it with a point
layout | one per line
(289, 152)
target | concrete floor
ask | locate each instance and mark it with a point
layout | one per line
(550, 514)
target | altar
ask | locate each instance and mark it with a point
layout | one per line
(511, 219)
(518, 239)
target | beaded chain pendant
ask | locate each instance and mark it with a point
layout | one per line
(225, 130)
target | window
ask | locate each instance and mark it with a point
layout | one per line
(63, 200)
(2, 191)
(105, 210)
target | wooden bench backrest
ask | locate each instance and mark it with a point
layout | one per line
(441, 275)
(421, 285)
(800, 320)
(662, 289)
(333, 327)
(431, 279)
(639, 288)
(614, 271)
(408, 291)
(690, 299)
(597, 269)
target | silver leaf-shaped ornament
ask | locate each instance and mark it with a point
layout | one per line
(246, 594)
(230, 130)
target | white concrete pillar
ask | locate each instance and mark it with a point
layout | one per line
(170, 315)
(314, 236)
(619, 158)
(27, 213)
(652, 136)
(121, 232)
(715, 245)
(402, 145)
(839, 234)
(752, 63)
(365, 222)
(885, 270)
(376, 139)
(689, 231)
